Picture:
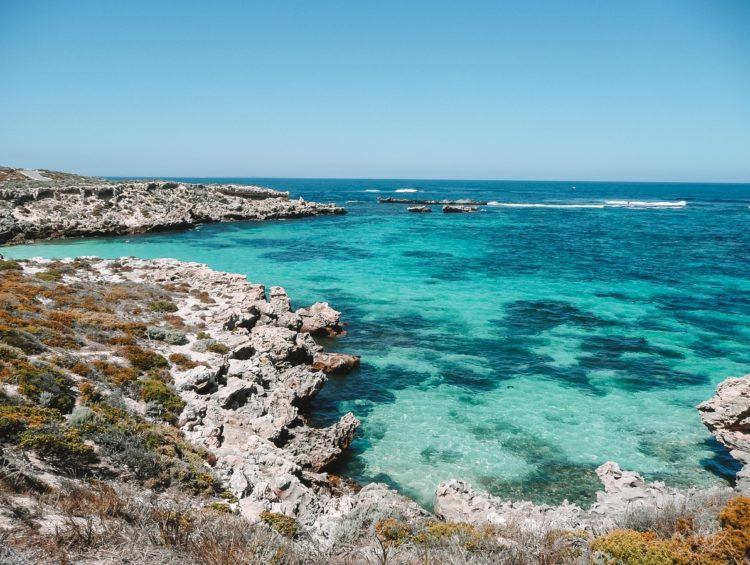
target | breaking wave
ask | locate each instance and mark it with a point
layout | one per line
(406, 190)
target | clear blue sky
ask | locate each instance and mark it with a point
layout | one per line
(630, 90)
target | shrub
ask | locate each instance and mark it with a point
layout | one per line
(182, 361)
(167, 335)
(392, 531)
(144, 359)
(8, 352)
(217, 347)
(115, 374)
(156, 391)
(285, 525)
(20, 339)
(163, 306)
(34, 380)
(129, 450)
(62, 446)
(50, 275)
(15, 419)
(10, 265)
(81, 416)
(219, 507)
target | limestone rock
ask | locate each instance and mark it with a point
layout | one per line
(727, 415)
(321, 320)
(337, 363)
(316, 448)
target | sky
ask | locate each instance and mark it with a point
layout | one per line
(467, 89)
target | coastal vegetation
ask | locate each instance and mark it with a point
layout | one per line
(94, 468)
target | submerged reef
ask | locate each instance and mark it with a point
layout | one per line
(155, 411)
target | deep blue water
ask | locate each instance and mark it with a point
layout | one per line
(518, 347)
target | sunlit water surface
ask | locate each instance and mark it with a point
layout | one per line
(519, 347)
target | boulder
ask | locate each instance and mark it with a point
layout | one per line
(316, 448)
(321, 320)
(335, 363)
(419, 209)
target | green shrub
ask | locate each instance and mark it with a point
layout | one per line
(9, 265)
(153, 390)
(50, 275)
(20, 339)
(144, 359)
(8, 352)
(285, 525)
(16, 419)
(34, 380)
(163, 306)
(217, 347)
(60, 445)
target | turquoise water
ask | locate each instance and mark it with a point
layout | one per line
(519, 347)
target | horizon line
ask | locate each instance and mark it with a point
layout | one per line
(273, 177)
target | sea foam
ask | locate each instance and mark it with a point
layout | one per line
(406, 190)
(646, 204)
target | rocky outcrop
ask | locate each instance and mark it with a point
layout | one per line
(336, 363)
(419, 209)
(459, 209)
(92, 207)
(321, 320)
(457, 501)
(727, 415)
(246, 402)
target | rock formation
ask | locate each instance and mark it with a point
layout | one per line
(727, 415)
(459, 209)
(90, 207)
(419, 209)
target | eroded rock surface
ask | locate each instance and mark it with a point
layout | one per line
(245, 402)
(727, 415)
(82, 206)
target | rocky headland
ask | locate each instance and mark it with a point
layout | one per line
(184, 390)
(48, 205)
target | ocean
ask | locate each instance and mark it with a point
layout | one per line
(518, 348)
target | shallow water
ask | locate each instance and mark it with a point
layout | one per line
(519, 347)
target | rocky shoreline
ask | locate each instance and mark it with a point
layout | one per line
(72, 206)
(243, 401)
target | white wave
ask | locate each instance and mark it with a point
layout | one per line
(352, 201)
(646, 204)
(406, 190)
(531, 205)
(371, 190)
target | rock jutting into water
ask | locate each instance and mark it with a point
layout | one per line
(727, 415)
(460, 202)
(459, 209)
(168, 344)
(419, 209)
(72, 206)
